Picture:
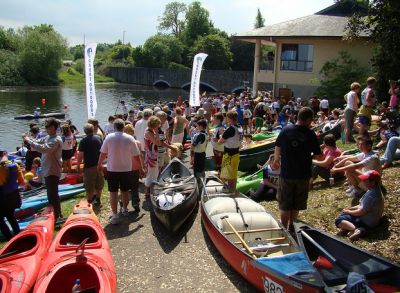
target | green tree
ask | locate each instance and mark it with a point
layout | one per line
(243, 54)
(76, 52)
(217, 48)
(383, 24)
(121, 53)
(338, 74)
(10, 69)
(260, 20)
(41, 54)
(197, 23)
(158, 52)
(172, 18)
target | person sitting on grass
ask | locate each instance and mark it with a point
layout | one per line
(392, 152)
(199, 147)
(323, 167)
(367, 214)
(355, 165)
(269, 186)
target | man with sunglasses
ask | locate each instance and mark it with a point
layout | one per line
(50, 147)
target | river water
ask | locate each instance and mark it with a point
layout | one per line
(72, 101)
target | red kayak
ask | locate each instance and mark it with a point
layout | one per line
(254, 243)
(71, 178)
(79, 251)
(22, 256)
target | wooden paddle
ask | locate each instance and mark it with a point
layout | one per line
(240, 238)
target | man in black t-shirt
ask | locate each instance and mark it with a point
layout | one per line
(296, 146)
(89, 151)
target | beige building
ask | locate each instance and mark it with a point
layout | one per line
(302, 47)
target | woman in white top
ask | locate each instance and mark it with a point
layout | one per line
(351, 110)
(69, 142)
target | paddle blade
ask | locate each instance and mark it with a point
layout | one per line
(322, 263)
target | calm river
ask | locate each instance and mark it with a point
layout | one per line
(22, 100)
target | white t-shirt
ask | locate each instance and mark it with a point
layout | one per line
(119, 147)
(352, 101)
(108, 128)
(140, 129)
(68, 142)
(324, 104)
(371, 162)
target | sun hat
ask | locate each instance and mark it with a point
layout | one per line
(201, 112)
(372, 175)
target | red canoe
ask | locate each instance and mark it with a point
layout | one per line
(22, 256)
(254, 243)
(79, 251)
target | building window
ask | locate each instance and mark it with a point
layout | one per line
(297, 57)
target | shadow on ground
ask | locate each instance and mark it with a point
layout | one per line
(169, 240)
(235, 278)
(122, 229)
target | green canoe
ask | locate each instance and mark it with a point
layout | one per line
(263, 135)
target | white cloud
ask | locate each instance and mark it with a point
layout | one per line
(104, 20)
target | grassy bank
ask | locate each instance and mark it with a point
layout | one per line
(68, 75)
(325, 203)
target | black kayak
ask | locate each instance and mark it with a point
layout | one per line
(335, 259)
(48, 115)
(175, 195)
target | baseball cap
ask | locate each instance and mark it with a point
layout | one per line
(372, 175)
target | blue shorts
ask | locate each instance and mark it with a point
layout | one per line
(364, 120)
(356, 221)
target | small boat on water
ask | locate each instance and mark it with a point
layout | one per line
(254, 243)
(79, 251)
(21, 258)
(175, 195)
(340, 258)
(43, 116)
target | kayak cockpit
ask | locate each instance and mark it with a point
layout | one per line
(67, 275)
(75, 235)
(26, 245)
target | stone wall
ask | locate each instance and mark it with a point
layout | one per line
(217, 80)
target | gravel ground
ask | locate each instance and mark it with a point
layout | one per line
(148, 258)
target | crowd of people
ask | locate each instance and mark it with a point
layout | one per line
(138, 143)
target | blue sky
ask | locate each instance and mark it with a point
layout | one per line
(105, 20)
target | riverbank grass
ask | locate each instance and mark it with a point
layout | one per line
(69, 75)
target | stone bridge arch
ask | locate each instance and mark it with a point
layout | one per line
(203, 85)
(161, 83)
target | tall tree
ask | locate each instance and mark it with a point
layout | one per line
(41, 56)
(260, 20)
(172, 18)
(158, 51)
(197, 23)
(383, 24)
(243, 54)
(217, 48)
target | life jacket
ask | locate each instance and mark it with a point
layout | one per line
(201, 147)
(10, 183)
(234, 142)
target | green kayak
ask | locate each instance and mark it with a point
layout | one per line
(244, 184)
(263, 135)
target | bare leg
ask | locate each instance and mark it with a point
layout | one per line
(285, 216)
(125, 198)
(293, 216)
(232, 185)
(346, 225)
(114, 202)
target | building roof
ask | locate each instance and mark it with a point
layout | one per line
(345, 8)
(307, 26)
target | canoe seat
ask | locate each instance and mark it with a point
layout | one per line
(257, 220)
(218, 205)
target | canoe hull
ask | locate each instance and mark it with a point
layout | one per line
(44, 116)
(348, 258)
(174, 218)
(246, 266)
(253, 269)
(18, 272)
(69, 258)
